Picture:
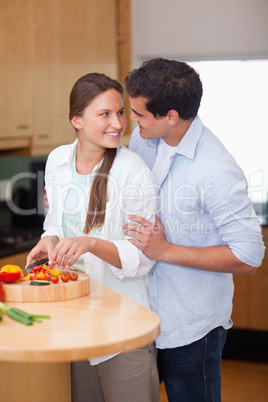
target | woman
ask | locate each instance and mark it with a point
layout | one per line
(92, 186)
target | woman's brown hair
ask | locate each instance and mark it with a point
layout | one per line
(83, 93)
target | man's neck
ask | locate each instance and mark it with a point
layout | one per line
(177, 132)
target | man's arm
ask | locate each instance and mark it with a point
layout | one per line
(151, 239)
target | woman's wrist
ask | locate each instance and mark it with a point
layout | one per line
(91, 244)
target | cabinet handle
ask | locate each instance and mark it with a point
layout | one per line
(43, 135)
(23, 127)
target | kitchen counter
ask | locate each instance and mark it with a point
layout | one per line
(38, 356)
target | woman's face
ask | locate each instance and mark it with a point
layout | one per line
(103, 122)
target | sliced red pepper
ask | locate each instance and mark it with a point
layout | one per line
(34, 277)
(34, 269)
(9, 276)
(2, 292)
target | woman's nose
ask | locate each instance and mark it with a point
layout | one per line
(116, 122)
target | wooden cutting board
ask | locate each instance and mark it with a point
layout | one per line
(22, 291)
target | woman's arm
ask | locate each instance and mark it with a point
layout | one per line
(68, 250)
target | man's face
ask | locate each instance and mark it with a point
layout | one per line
(150, 127)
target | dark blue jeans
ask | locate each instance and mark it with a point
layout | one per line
(192, 373)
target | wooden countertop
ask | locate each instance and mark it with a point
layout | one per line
(101, 323)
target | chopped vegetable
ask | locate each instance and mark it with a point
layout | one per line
(20, 315)
(9, 277)
(42, 272)
(47, 276)
(54, 279)
(2, 292)
(39, 283)
(10, 273)
(11, 268)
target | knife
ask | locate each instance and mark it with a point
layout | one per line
(28, 269)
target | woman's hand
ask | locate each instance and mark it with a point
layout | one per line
(43, 249)
(68, 250)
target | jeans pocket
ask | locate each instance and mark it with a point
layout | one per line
(222, 339)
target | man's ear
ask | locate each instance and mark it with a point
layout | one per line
(76, 122)
(173, 117)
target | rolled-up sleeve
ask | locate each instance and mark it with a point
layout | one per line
(134, 261)
(231, 209)
(138, 198)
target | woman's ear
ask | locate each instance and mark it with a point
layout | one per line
(173, 117)
(76, 122)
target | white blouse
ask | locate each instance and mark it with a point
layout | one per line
(131, 191)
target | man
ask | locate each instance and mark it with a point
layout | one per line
(205, 231)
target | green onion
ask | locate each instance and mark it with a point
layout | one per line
(40, 316)
(20, 315)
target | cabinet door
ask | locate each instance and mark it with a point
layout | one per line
(70, 39)
(15, 74)
(250, 306)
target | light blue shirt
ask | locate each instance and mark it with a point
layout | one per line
(203, 201)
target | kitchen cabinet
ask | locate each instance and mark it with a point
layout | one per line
(45, 47)
(124, 56)
(250, 306)
(80, 38)
(15, 74)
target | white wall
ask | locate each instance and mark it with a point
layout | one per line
(199, 29)
(194, 30)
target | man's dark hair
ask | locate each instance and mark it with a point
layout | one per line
(167, 85)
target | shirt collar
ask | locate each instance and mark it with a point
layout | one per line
(188, 144)
(67, 158)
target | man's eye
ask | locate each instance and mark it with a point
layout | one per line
(121, 112)
(104, 114)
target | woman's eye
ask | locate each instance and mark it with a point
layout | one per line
(121, 113)
(105, 114)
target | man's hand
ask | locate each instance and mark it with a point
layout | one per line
(151, 239)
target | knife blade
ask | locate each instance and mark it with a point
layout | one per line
(28, 269)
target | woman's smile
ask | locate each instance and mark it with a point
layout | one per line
(113, 134)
